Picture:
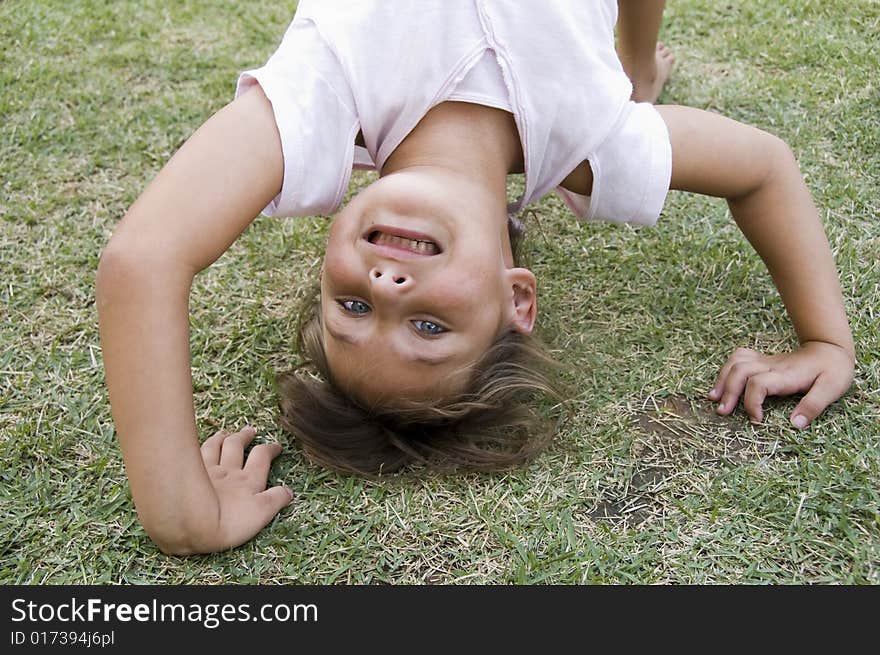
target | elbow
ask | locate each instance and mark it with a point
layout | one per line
(114, 260)
(120, 257)
(118, 278)
(109, 278)
(129, 267)
(140, 252)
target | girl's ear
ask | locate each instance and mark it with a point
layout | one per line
(525, 301)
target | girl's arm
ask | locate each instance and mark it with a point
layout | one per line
(189, 499)
(761, 180)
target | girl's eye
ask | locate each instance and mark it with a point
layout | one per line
(428, 328)
(355, 306)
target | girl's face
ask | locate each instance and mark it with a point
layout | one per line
(417, 284)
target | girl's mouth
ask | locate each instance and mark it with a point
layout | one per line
(398, 239)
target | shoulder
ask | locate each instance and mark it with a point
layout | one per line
(627, 175)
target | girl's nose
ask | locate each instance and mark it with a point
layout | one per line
(389, 279)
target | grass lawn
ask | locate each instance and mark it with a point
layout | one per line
(644, 484)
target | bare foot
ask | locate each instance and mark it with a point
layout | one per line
(648, 86)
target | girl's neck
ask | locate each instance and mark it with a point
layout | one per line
(481, 143)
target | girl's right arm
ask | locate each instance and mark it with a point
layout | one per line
(758, 175)
(188, 499)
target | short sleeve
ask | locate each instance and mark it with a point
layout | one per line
(631, 168)
(315, 119)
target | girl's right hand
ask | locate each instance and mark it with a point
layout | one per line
(822, 371)
(245, 505)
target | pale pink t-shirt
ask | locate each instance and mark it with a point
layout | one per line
(378, 67)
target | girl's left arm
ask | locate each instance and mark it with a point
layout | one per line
(758, 175)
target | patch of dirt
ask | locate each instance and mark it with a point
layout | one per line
(675, 435)
(631, 509)
(690, 428)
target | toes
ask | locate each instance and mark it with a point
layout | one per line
(664, 52)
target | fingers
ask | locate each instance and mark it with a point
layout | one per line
(265, 506)
(227, 449)
(274, 500)
(250, 515)
(817, 371)
(825, 390)
(211, 447)
(738, 356)
(232, 449)
(258, 462)
(758, 387)
(735, 382)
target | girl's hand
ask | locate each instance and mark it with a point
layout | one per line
(822, 370)
(245, 505)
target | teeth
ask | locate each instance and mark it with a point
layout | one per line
(414, 245)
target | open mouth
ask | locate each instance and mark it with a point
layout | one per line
(412, 242)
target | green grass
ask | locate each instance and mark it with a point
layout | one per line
(642, 485)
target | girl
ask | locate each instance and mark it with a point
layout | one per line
(421, 326)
